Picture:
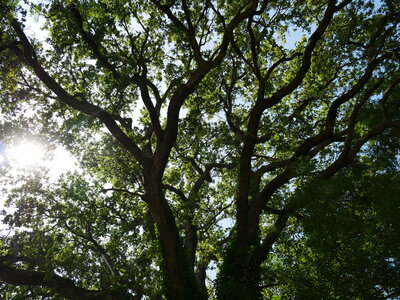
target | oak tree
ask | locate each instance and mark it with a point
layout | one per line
(227, 149)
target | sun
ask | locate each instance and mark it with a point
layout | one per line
(26, 154)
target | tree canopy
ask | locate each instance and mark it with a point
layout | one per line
(227, 149)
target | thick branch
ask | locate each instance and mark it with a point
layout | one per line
(92, 44)
(252, 130)
(141, 81)
(348, 155)
(274, 233)
(344, 160)
(57, 284)
(27, 57)
(178, 192)
(154, 114)
(184, 90)
(306, 59)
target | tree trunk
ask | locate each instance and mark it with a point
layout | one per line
(179, 278)
(239, 275)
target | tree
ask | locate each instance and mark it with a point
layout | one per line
(209, 143)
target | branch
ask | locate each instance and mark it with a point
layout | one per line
(255, 69)
(254, 53)
(123, 191)
(96, 246)
(276, 230)
(213, 219)
(269, 189)
(57, 284)
(205, 176)
(342, 5)
(27, 56)
(252, 129)
(332, 113)
(92, 44)
(228, 101)
(278, 62)
(15, 258)
(354, 115)
(272, 166)
(306, 59)
(385, 96)
(189, 31)
(312, 146)
(190, 159)
(183, 91)
(142, 82)
(177, 192)
(191, 239)
(327, 133)
(348, 155)
(251, 11)
(99, 248)
(166, 9)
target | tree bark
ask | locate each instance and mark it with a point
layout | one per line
(57, 284)
(239, 275)
(179, 277)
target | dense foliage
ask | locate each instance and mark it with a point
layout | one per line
(227, 149)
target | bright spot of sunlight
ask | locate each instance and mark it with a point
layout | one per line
(29, 154)
(62, 162)
(25, 154)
